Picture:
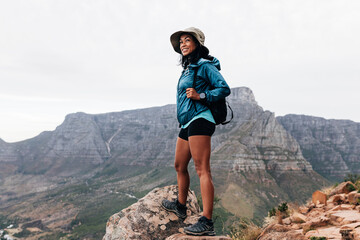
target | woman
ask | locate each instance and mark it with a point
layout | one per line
(197, 123)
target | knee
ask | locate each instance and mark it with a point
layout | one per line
(180, 168)
(202, 171)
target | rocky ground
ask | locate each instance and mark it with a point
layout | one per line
(333, 216)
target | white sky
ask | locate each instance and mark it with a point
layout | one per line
(95, 56)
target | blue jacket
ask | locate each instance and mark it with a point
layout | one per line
(208, 81)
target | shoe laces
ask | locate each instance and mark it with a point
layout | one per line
(201, 222)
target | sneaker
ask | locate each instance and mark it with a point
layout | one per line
(204, 227)
(175, 207)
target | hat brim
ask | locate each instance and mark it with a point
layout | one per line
(175, 39)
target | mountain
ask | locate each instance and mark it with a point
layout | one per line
(94, 165)
(331, 146)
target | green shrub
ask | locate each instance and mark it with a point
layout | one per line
(74, 222)
(283, 207)
(272, 212)
(317, 238)
(23, 234)
(54, 236)
(352, 178)
(351, 187)
(4, 222)
(3, 234)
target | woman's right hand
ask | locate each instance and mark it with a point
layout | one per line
(192, 94)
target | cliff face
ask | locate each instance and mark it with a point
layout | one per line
(331, 146)
(140, 137)
(255, 140)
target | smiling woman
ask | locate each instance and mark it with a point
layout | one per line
(187, 44)
(199, 85)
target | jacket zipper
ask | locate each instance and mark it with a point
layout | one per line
(194, 81)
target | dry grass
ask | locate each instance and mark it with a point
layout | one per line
(293, 207)
(327, 190)
(269, 220)
(246, 231)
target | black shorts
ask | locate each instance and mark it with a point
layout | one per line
(200, 126)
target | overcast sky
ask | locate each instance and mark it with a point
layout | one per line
(96, 56)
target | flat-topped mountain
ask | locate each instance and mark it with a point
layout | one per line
(147, 137)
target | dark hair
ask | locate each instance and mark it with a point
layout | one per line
(199, 52)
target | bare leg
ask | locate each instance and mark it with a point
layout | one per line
(182, 158)
(200, 148)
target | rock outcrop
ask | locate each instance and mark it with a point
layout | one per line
(147, 220)
(338, 219)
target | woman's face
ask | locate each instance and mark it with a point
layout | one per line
(187, 44)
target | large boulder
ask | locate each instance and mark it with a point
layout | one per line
(319, 197)
(147, 220)
(354, 197)
(344, 187)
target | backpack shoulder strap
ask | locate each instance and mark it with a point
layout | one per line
(232, 114)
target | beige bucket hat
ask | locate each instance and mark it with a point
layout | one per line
(195, 32)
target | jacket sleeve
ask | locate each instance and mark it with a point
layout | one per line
(218, 87)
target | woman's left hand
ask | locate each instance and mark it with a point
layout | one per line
(192, 94)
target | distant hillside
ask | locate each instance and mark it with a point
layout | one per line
(331, 146)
